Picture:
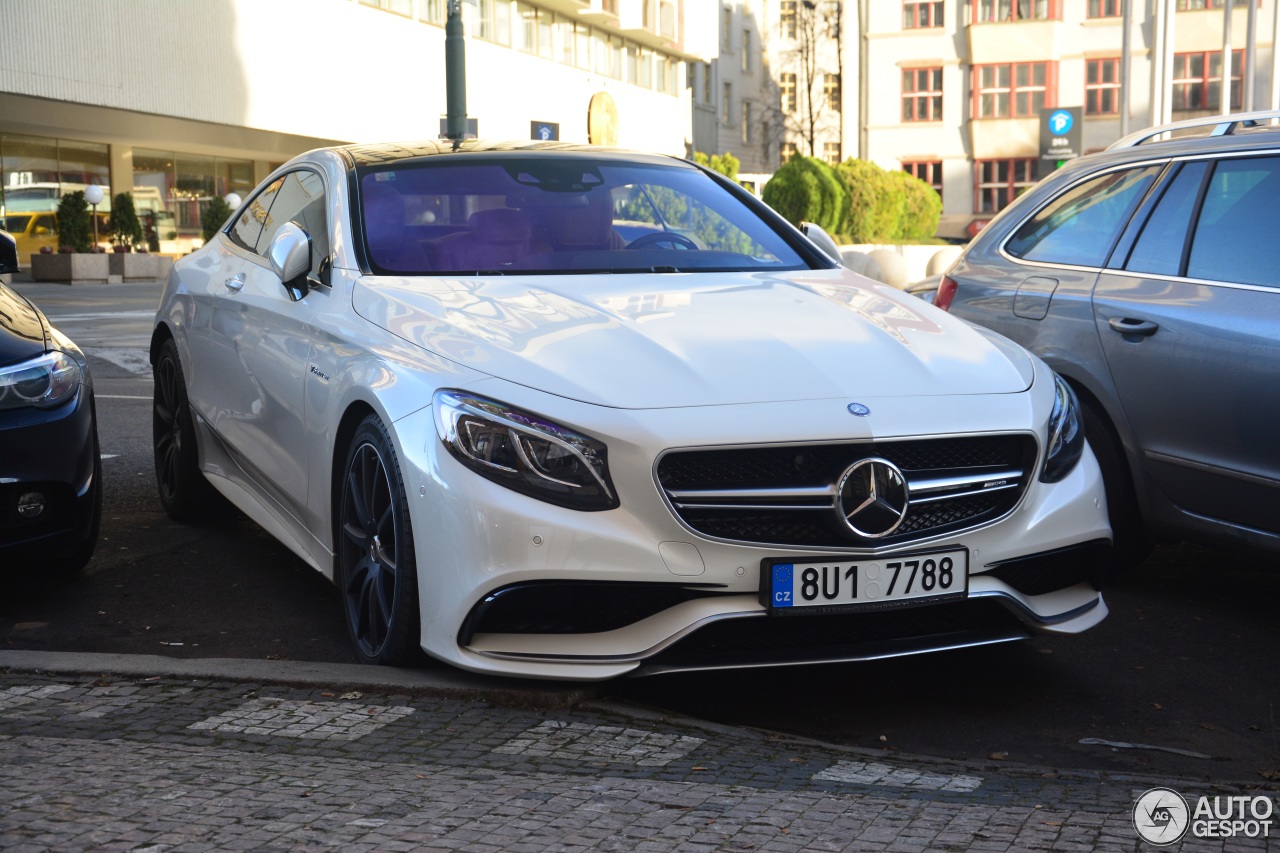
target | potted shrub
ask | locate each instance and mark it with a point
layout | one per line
(126, 231)
(73, 261)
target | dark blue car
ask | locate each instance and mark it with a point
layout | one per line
(50, 468)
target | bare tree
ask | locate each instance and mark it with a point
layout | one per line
(804, 110)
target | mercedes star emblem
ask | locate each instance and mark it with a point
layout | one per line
(872, 497)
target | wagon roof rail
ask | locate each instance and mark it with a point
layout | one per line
(1223, 125)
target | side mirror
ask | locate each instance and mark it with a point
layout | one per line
(290, 257)
(822, 240)
(8, 253)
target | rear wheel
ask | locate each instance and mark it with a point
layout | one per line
(377, 569)
(1130, 544)
(184, 492)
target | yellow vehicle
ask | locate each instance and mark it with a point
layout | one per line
(33, 231)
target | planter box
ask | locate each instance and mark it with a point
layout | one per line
(131, 265)
(72, 268)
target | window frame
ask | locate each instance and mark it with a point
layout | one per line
(1100, 87)
(930, 98)
(1012, 90)
(1101, 6)
(1012, 184)
(918, 11)
(929, 171)
(1206, 80)
(993, 10)
(788, 91)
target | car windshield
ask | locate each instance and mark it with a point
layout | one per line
(16, 224)
(540, 215)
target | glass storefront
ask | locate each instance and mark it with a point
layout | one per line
(171, 190)
(34, 173)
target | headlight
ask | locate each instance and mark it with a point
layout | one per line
(1066, 434)
(524, 452)
(43, 382)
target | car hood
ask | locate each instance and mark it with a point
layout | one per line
(641, 341)
(23, 333)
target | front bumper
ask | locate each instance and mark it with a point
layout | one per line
(51, 453)
(502, 575)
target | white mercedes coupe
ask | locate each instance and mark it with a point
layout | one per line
(565, 412)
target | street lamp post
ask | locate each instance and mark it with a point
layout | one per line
(93, 195)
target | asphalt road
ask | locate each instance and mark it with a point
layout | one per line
(1186, 660)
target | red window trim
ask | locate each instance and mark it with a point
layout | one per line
(926, 95)
(1050, 87)
(1088, 87)
(916, 7)
(1011, 185)
(1055, 12)
(932, 168)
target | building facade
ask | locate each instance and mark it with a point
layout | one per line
(181, 102)
(952, 90)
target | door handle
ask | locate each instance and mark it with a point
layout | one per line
(235, 282)
(1133, 326)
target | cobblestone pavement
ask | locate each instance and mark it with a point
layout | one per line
(171, 763)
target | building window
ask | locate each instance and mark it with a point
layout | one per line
(831, 91)
(746, 122)
(831, 152)
(787, 86)
(433, 11)
(786, 151)
(787, 19)
(400, 7)
(746, 51)
(726, 104)
(708, 84)
(986, 11)
(922, 94)
(726, 31)
(1011, 91)
(929, 171)
(1197, 80)
(918, 16)
(1104, 8)
(1194, 5)
(998, 182)
(1101, 86)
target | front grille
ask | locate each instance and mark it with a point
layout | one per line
(851, 636)
(786, 495)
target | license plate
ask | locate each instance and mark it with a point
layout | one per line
(864, 584)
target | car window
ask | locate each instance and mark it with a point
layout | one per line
(1159, 248)
(1081, 225)
(300, 199)
(1235, 236)
(248, 225)
(16, 224)
(560, 215)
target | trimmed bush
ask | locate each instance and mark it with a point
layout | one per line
(726, 164)
(921, 207)
(75, 229)
(124, 226)
(806, 189)
(214, 215)
(874, 208)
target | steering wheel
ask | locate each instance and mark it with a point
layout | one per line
(656, 238)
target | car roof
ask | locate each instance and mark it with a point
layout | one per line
(376, 154)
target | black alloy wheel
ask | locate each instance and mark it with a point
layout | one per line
(184, 492)
(377, 570)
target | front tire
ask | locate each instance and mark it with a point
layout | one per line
(1130, 543)
(377, 570)
(184, 492)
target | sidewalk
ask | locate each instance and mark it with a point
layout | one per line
(172, 755)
